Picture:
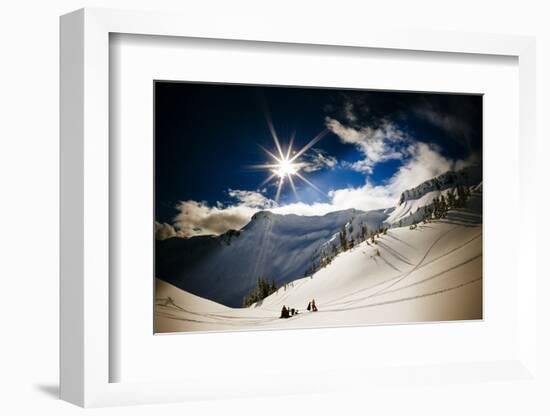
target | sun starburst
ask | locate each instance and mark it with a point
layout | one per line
(284, 166)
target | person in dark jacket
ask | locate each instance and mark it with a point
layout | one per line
(313, 306)
(284, 312)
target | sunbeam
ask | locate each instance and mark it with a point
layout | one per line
(309, 145)
(289, 151)
(299, 175)
(279, 187)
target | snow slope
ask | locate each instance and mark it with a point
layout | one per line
(431, 273)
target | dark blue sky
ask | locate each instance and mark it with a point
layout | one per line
(207, 136)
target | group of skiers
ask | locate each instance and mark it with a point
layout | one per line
(312, 306)
(289, 312)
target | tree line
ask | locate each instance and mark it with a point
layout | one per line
(262, 290)
(347, 241)
(441, 205)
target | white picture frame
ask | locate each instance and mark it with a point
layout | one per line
(85, 210)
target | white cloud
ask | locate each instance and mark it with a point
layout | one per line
(318, 160)
(349, 112)
(473, 159)
(301, 208)
(377, 144)
(425, 163)
(251, 199)
(197, 218)
(164, 231)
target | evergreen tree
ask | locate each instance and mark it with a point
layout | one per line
(262, 290)
(436, 208)
(443, 206)
(453, 200)
(343, 239)
(364, 232)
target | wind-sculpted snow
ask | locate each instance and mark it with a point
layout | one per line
(431, 273)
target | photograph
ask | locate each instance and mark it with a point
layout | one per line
(193, 190)
(290, 207)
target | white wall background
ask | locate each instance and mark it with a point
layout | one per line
(29, 202)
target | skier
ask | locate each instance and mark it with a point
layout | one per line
(313, 306)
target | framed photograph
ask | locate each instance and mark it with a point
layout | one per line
(280, 192)
(315, 207)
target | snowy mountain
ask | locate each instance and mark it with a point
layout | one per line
(412, 201)
(271, 246)
(284, 248)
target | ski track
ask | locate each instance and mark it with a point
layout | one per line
(437, 240)
(240, 323)
(229, 320)
(385, 292)
(206, 314)
(370, 305)
(401, 277)
(408, 272)
(423, 295)
(434, 275)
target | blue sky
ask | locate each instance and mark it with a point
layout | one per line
(375, 144)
